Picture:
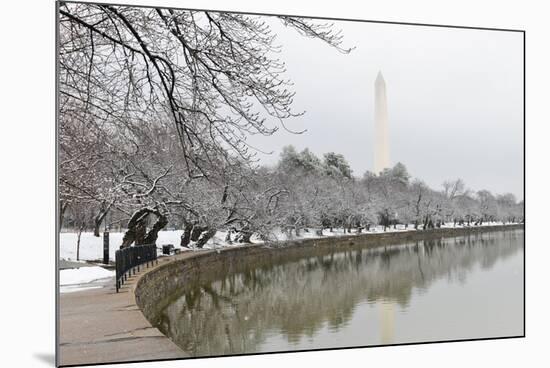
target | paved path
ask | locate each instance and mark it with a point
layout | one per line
(100, 325)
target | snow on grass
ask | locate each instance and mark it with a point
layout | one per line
(91, 247)
(83, 278)
(83, 275)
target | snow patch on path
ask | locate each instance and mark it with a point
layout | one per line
(83, 275)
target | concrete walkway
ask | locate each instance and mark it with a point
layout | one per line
(100, 326)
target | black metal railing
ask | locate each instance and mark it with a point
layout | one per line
(129, 260)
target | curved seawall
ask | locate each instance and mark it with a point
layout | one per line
(154, 288)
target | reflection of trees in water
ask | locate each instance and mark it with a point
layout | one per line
(296, 299)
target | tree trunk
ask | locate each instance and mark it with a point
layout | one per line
(97, 223)
(103, 211)
(130, 234)
(205, 237)
(244, 236)
(186, 236)
(62, 208)
(196, 232)
(140, 231)
(228, 237)
(78, 241)
(136, 232)
(152, 235)
(98, 220)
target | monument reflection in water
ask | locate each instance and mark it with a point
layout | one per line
(454, 288)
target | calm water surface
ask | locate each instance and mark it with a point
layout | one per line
(453, 288)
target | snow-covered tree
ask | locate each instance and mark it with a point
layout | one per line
(152, 99)
(336, 164)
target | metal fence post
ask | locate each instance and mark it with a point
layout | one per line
(106, 247)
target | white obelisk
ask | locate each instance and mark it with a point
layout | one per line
(381, 146)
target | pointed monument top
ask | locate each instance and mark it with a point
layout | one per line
(379, 78)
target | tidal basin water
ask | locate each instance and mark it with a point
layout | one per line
(447, 289)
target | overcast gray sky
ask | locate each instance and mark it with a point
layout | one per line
(454, 101)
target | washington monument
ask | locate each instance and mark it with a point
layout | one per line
(381, 147)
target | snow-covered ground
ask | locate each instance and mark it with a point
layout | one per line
(82, 275)
(85, 277)
(91, 248)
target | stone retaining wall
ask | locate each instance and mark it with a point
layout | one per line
(154, 288)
